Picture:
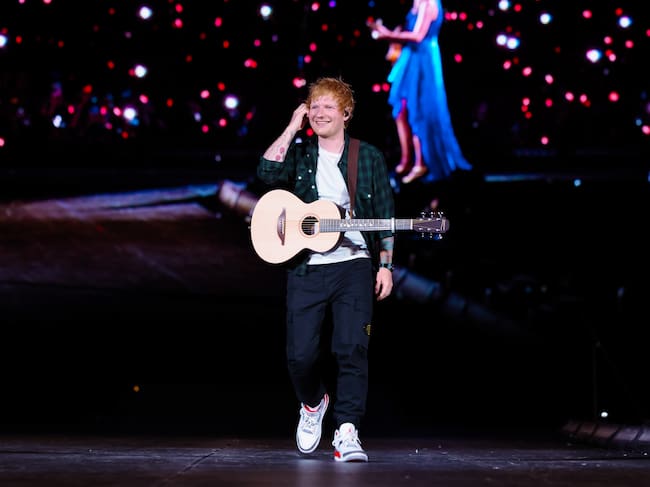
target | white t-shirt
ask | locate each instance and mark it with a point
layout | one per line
(331, 186)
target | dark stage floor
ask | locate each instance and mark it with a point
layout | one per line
(455, 460)
(142, 338)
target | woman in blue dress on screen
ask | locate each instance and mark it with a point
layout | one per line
(428, 145)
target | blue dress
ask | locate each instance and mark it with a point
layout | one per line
(417, 78)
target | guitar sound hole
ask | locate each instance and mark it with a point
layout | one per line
(309, 225)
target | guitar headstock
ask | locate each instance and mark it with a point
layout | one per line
(433, 224)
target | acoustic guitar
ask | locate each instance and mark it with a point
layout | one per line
(394, 48)
(282, 225)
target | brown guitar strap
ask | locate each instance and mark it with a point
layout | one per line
(353, 154)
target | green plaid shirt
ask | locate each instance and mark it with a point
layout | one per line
(374, 195)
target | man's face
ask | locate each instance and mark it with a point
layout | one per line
(326, 117)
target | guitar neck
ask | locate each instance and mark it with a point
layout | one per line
(365, 224)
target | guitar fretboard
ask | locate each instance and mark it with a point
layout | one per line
(365, 224)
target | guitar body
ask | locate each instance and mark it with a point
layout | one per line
(282, 225)
(394, 50)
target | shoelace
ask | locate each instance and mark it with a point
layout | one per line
(310, 419)
(350, 439)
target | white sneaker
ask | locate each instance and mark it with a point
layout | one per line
(309, 428)
(347, 446)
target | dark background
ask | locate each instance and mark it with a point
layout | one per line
(543, 315)
(89, 49)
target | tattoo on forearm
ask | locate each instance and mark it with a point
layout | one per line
(387, 243)
(278, 150)
(386, 252)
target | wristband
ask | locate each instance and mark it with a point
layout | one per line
(386, 265)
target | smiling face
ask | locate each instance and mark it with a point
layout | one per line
(331, 104)
(326, 118)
